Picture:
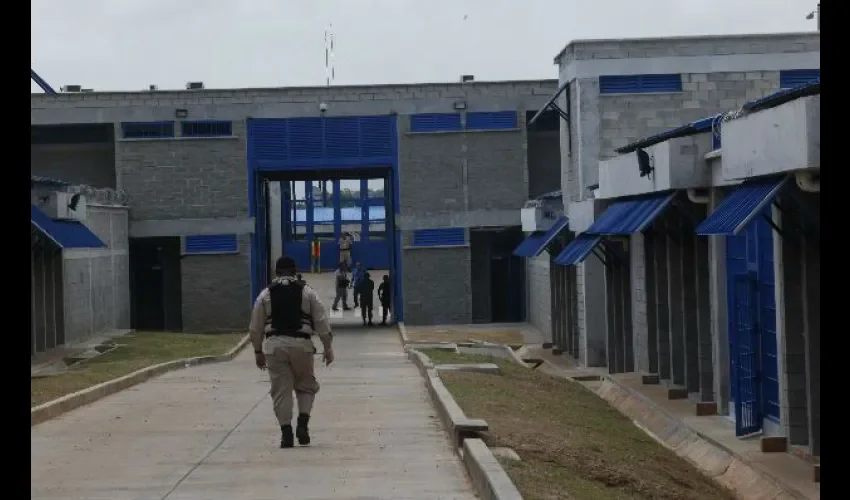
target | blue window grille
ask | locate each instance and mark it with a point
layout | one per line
(639, 84)
(443, 237)
(435, 122)
(147, 130)
(499, 120)
(791, 78)
(210, 244)
(207, 128)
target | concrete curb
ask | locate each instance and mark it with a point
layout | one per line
(487, 475)
(489, 478)
(452, 416)
(710, 457)
(53, 409)
(402, 333)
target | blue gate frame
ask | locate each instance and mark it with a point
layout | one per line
(320, 146)
(753, 359)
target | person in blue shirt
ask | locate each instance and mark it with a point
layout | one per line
(356, 279)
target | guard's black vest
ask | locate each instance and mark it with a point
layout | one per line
(287, 316)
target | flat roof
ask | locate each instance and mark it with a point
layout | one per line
(755, 36)
(312, 88)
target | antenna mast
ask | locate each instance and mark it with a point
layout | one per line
(329, 55)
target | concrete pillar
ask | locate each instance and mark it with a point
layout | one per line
(706, 348)
(611, 314)
(792, 353)
(595, 319)
(32, 305)
(719, 319)
(676, 304)
(49, 300)
(40, 319)
(639, 302)
(689, 309)
(649, 294)
(811, 306)
(627, 339)
(662, 300)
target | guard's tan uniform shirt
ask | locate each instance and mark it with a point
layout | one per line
(290, 359)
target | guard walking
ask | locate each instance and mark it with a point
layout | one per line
(366, 289)
(345, 242)
(286, 314)
(385, 293)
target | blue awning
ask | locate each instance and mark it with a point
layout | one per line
(631, 216)
(529, 246)
(578, 249)
(741, 206)
(543, 242)
(66, 234)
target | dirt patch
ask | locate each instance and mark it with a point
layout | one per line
(135, 352)
(572, 443)
(497, 336)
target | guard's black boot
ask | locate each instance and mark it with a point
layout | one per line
(301, 431)
(286, 439)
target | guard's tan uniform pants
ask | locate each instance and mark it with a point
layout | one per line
(291, 369)
(345, 258)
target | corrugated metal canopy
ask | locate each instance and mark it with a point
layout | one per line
(529, 246)
(742, 205)
(631, 216)
(578, 250)
(66, 234)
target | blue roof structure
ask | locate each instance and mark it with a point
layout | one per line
(66, 234)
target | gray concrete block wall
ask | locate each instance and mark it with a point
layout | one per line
(421, 190)
(91, 164)
(216, 290)
(640, 333)
(434, 299)
(185, 178)
(97, 281)
(540, 294)
(496, 168)
(690, 46)
(626, 118)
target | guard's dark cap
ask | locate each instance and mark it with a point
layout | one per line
(285, 263)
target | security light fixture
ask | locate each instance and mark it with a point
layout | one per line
(75, 200)
(181, 113)
(459, 105)
(644, 163)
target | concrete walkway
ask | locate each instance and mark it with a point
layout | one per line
(209, 433)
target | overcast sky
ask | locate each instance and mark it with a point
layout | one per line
(130, 44)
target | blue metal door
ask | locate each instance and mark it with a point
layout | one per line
(748, 418)
(753, 361)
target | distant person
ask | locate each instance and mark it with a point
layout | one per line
(345, 242)
(385, 293)
(286, 315)
(356, 278)
(341, 281)
(315, 256)
(367, 293)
